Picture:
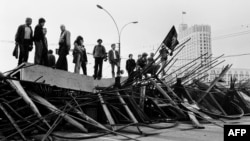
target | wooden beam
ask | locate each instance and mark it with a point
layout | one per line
(131, 115)
(107, 112)
(57, 111)
(214, 82)
(22, 93)
(165, 95)
(169, 89)
(142, 97)
(12, 122)
(87, 118)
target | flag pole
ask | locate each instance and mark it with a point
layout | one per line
(182, 17)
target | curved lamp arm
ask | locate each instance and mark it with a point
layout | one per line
(100, 7)
(135, 22)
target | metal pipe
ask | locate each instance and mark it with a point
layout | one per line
(187, 64)
(205, 70)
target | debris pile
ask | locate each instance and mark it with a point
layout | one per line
(40, 108)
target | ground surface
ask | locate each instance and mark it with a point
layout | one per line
(182, 132)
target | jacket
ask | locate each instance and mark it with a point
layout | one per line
(84, 56)
(81, 51)
(142, 62)
(38, 33)
(99, 51)
(130, 64)
(19, 38)
(164, 54)
(64, 43)
(51, 60)
(150, 60)
(111, 56)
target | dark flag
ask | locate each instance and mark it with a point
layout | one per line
(171, 39)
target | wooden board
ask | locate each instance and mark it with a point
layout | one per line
(196, 111)
(192, 117)
(195, 122)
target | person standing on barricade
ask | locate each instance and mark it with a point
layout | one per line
(164, 58)
(130, 65)
(99, 54)
(114, 59)
(39, 39)
(79, 54)
(24, 39)
(64, 47)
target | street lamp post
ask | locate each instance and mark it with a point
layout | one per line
(135, 22)
(119, 34)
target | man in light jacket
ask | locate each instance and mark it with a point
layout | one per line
(64, 47)
(114, 59)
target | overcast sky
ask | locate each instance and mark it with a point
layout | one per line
(155, 18)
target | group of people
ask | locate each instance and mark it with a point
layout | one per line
(24, 41)
(25, 38)
(144, 61)
(99, 54)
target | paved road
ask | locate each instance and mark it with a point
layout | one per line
(182, 132)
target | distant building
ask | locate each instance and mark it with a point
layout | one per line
(199, 44)
(238, 73)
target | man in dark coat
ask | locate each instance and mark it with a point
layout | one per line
(24, 39)
(114, 59)
(130, 64)
(99, 54)
(64, 47)
(39, 39)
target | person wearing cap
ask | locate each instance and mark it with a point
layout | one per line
(130, 65)
(114, 59)
(24, 40)
(39, 39)
(64, 47)
(99, 54)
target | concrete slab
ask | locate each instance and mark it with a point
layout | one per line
(62, 78)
